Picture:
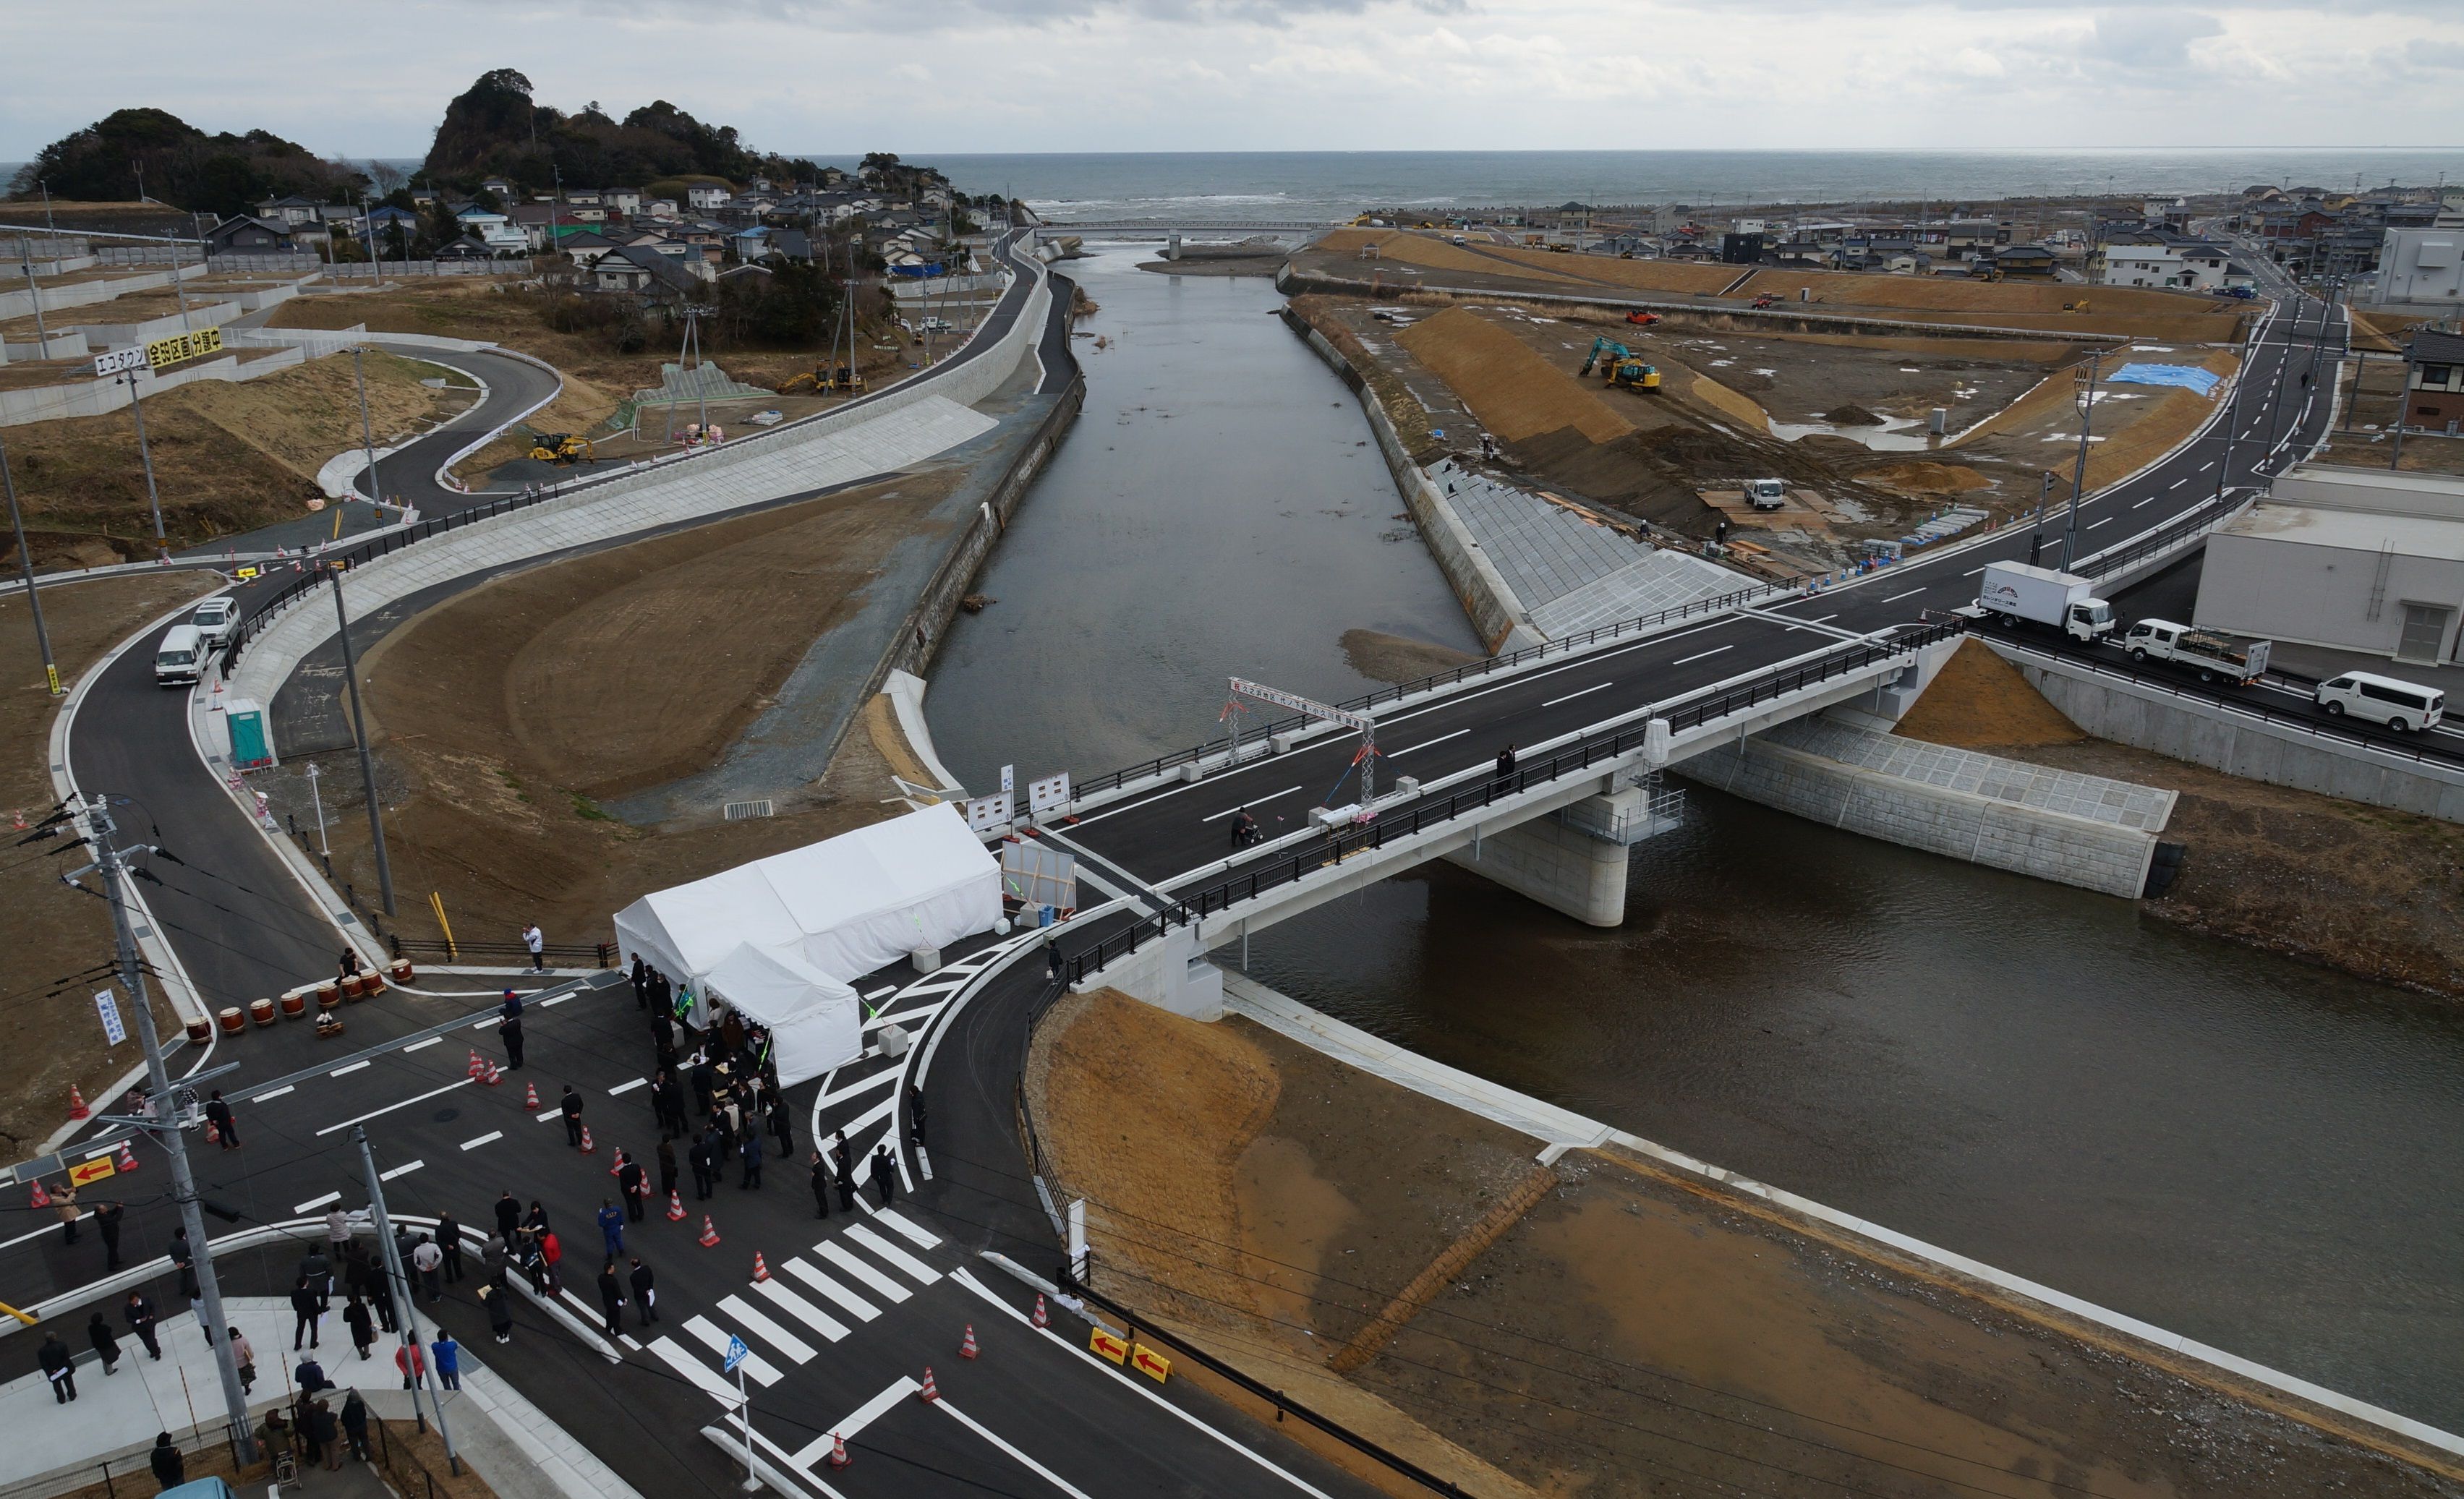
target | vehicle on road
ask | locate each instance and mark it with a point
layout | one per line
(2406, 707)
(181, 658)
(1765, 300)
(2215, 655)
(1765, 493)
(1642, 320)
(2017, 593)
(216, 619)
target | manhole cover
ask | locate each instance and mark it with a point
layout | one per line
(738, 811)
(448, 1115)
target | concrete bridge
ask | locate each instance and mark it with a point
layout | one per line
(1158, 229)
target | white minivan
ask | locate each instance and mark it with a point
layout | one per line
(180, 658)
(216, 619)
(2401, 706)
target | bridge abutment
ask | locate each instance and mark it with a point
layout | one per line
(1574, 860)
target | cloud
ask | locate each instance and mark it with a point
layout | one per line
(2149, 38)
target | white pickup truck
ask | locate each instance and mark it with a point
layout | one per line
(2215, 655)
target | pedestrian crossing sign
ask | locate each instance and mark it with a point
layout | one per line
(86, 1173)
(1115, 1349)
(736, 1353)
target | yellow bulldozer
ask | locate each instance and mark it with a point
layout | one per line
(825, 379)
(562, 448)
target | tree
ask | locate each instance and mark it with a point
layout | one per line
(181, 165)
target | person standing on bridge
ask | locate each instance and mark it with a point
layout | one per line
(640, 983)
(537, 945)
(429, 1261)
(667, 1167)
(612, 1299)
(611, 1228)
(140, 1317)
(106, 1343)
(218, 1114)
(449, 1244)
(885, 1173)
(508, 1218)
(633, 1185)
(509, 1028)
(59, 1366)
(106, 1222)
(820, 1186)
(64, 1202)
(1244, 829)
(750, 1153)
(571, 1109)
(1506, 763)
(646, 1295)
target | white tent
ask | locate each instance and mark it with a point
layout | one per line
(815, 1023)
(837, 910)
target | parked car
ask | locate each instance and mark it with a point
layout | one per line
(2402, 706)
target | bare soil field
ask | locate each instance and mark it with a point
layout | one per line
(1599, 1326)
(2359, 888)
(509, 711)
(227, 458)
(50, 932)
(2133, 425)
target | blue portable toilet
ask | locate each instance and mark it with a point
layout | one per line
(251, 747)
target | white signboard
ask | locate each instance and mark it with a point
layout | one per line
(117, 360)
(1048, 795)
(987, 813)
(1009, 780)
(1299, 704)
(113, 1031)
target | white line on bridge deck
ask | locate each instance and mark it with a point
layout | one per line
(1713, 651)
(349, 1067)
(1031, 1464)
(459, 1082)
(1570, 697)
(400, 1171)
(1425, 743)
(2176, 484)
(863, 1416)
(1255, 801)
(627, 1088)
(491, 1135)
(275, 1093)
(1897, 597)
(1971, 572)
(2149, 500)
(315, 1202)
(2093, 524)
(429, 1041)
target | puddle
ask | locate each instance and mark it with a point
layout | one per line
(1896, 434)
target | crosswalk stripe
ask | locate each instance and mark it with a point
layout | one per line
(1028, 1462)
(922, 1237)
(898, 1258)
(755, 1367)
(778, 1338)
(888, 1075)
(832, 1250)
(802, 1310)
(856, 1305)
(693, 1369)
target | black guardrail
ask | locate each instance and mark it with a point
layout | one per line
(1430, 811)
(1468, 671)
(2205, 515)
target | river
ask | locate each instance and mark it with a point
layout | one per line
(2248, 1151)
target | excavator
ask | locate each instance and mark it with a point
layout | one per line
(1622, 366)
(562, 448)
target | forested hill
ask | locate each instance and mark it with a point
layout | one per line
(495, 129)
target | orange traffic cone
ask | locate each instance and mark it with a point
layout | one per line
(675, 1207)
(478, 1068)
(493, 1076)
(709, 1233)
(530, 1098)
(127, 1159)
(76, 1103)
(967, 1349)
(930, 1391)
(42, 1198)
(838, 1451)
(1041, 1320)
(761, 1272)
(587, 1148)
(616, 1167)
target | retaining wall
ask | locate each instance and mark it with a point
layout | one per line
(1503, 623)
(2052, 846)
(2243, 744)
(102, 397)
(71, 344)
(78, 294)
(121, 335)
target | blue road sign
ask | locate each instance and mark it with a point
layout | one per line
(736, 1353)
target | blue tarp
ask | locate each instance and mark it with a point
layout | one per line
(2189, 377)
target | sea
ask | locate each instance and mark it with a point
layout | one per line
(1267, 186)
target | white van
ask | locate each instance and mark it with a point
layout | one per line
(216, 619)
(180, 658)
(2401, 706)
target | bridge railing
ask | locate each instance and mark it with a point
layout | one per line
(1468, 671)
(1688, 713)
(2205, 515)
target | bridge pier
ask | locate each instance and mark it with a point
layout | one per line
(1169, 973)
(1574, 860)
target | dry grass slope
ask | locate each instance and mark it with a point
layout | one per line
(1514, 393)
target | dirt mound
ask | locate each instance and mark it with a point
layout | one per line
(1981, 702)
(1513, 391)
(1927, 478)
(1382, 657)
(1850, 414)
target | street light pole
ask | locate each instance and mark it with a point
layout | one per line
(145, 455)
(408, 1328)
(317, 799)
(2083, 395)
(368, 767)
(26, 258)
(367, 438)
(25, 567)
(169, 1134)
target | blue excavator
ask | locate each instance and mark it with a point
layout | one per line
(1621, 367)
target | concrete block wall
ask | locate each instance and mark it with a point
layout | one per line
(1567, 870)
(71, 344)
(21, 303)
(101, 397)
(121, 335)
(2052, 846)
(2214, 736)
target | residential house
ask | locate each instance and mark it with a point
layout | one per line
(291, 212)
(2434, 381)
(2421, 265)
(2037, 260)
(1568, 216)
(500, 186)
(2183, 264)
(385, 218)
(423, 197)
(622, 202)
(646, 273)
(702, 196)
(495, 231)
(465, 248)
(249, 234)
(1797, 251)
(660, 207)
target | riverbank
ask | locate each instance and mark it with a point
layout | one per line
(1600, 1323)
(2361, 889)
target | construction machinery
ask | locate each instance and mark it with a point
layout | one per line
(562, 448)
(1642, 320)
(1621, 366)
(1765, 300)
(2078, 306)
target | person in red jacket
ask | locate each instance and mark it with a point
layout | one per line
(551, 1251)
(413, 1365)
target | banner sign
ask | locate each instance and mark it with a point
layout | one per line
(113, 1031)
(986, 813)
(1299, 704)
(117, 360)
(184, 346)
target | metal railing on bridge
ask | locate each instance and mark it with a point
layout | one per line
(1704, 707)
(1484, 666)
(2205, 515)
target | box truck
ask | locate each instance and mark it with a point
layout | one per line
(2015, 591)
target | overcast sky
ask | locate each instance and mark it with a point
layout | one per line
(924, 76)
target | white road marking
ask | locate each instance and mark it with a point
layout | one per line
(1570, 697)
(924, 1238)
(836, 1253)
(2093, 524)
(547, 1116)
(627, 1088)
(315, 1202)
(898, 1258)
(771, 1332)
(761, 1370)
(491, 1135)
(1425, 743)
(349, 1068)
(421, 1044)
(696, 1370)
(802, 1310)
(627, 1338)
(863, 1416)
(854, 1305)
(2176, 484)
(2149, 500)
(272, 1093)
(1971, 572)
(944, 1406)
(1682, 660)
(888, 1075)
(400, 1171)
(1255, 801)
(462, 1082)
(551, 1003)
(886, 988)
(1897, 597)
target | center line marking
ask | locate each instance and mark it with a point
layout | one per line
(1425, 743)
(1971, 572)
(274, 1093)
(1252, 802)
(429, 1041)
(491, 1135)
(627, 1088)
(1897, 597)
(1713, 651)
(400, 1171)
(1583, 693)
(459, 1082)
(2093, 524)
(315, 1202)
(352, 1066)
(2176, 484)
(2149, 500)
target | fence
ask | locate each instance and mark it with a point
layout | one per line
(597, 955)
(1432, 811)
(413, 1478)
(1462, 673)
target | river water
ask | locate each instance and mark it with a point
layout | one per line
(2253, 1152)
